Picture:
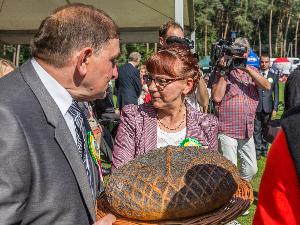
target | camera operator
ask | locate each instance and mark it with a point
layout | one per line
(235, 90)
(169, 33)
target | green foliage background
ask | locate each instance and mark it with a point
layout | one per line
(214, 19)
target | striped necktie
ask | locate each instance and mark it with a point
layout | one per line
(81, 138)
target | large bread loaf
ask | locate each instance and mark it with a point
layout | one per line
(172, 183)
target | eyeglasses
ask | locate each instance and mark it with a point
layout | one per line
(159, 81)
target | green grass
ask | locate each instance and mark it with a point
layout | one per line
(247, 220)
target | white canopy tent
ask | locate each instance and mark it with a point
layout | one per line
(138, 20)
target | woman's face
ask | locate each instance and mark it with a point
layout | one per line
(166, 90)
(143, 72)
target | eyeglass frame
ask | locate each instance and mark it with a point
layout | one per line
(168, 81)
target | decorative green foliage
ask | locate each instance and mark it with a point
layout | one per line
(215, 19)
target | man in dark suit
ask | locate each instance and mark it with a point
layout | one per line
(267, 106)
(129, 84)
(46, 171)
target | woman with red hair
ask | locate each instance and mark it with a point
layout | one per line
(168, 119)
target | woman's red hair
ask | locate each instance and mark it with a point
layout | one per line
(175, 60)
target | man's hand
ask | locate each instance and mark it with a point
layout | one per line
(273, 114)
(259, 80)
(247, 69)
(117, 111)
(106, 220)
(223, 62)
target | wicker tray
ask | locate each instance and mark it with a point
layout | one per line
(238, 204)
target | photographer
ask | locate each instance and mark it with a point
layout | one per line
(170, 33)
(235, 90)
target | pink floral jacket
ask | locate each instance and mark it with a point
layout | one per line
(137, 132)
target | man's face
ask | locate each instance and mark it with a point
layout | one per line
(172, 31)
(100, 70)
(264, 63)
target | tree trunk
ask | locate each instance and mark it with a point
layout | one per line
(226, 26)
(259, 40)
(205, 40)
(296, 35)
(285, 34)
(277, 41)
(270, 29)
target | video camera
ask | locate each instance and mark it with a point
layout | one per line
(235, 55)
(183, 41)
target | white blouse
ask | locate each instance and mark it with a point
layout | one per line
(165, 138)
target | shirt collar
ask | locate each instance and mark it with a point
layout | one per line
(59, 94)
(264, 71)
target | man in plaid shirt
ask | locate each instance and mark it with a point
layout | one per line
(236, 93)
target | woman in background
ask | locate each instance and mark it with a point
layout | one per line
(168, 120)
(6, 67)
(145, 96)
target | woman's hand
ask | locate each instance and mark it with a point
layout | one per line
(106, 220)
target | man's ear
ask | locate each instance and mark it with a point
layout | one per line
(161, 41)
(189, 85)
(83, 60)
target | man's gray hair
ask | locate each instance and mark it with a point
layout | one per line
(242, 42)
(134, 57)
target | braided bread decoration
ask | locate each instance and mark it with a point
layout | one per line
(171, 183)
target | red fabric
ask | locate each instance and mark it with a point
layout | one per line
(279, 60)
(238, 106)
(279, 193)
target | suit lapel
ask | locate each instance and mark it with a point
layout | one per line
(62, 133)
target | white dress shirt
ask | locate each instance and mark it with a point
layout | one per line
(58, 93)
(264, 72)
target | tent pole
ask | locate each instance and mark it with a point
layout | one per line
(193, 38)
(179, 12)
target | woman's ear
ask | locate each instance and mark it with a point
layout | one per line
(189, 86)
(83, 60)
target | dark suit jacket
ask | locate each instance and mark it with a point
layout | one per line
(292, 90)
(266, 102)
(129, 85)
(43, 179)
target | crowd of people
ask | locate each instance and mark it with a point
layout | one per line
(53, 107)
